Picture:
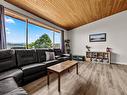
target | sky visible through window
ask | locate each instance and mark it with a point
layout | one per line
(16, 32)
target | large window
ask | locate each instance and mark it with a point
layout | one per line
(38, 37)
(57, 39)
(15, 32)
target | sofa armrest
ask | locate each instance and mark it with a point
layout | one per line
(66, 55)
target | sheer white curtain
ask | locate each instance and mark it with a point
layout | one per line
(2, 29)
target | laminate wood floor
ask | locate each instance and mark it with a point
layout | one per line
(93, 79)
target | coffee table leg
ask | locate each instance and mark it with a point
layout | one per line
(59, 82)
(68, 70)
(77, 68)
(48, 78)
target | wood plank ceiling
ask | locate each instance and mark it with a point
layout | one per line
(70, 14)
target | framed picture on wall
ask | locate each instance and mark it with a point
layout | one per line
(97, 37)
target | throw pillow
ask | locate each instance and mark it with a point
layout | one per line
(50, 56)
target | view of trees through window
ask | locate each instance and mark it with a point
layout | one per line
(38, 37)
(57, 39)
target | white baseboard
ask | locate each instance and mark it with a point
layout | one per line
(119, 63)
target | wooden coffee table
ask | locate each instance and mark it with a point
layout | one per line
(61, 67)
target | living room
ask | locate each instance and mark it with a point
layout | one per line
(59, 47)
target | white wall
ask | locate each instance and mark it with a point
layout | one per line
(66, 35)
(116, 28)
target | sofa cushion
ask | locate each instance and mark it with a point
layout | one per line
(26, 56)
(16, 73)
(61, 59)
(17, 91)
(50, 63)
(33, 68)
(7, 60)
(58, 52)
(7, 85)
(41, 54)
(57, 57)
(66, 58)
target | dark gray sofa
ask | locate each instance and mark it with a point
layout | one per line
(10, 74)
(25, 65)
(60, 56)
(27, 61)
(8, 86)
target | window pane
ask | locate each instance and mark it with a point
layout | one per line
(39, 37)
(15, 32)
(57, 42)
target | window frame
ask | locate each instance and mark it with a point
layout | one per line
(24, 32)
(28, 20)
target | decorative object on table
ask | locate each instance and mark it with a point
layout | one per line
(97, 37)
(108, 49)
(67, 46)
(88, 47)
